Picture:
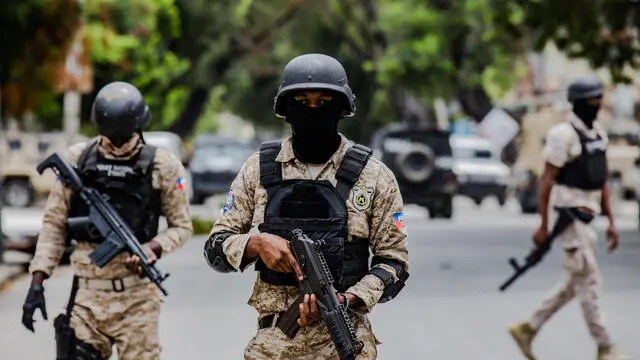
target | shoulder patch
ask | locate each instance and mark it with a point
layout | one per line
(398, 219)
(181, 183)
(361, 197)
(228, 204)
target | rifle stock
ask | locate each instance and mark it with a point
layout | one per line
(114, 230)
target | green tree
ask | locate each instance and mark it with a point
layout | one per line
(603, 31)
(34, 38)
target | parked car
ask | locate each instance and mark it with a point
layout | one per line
(20, 153)
(421, 160)
(479, 168)
(173, 144)
(215, 163)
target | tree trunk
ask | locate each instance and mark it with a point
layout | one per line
(188, 119)
(475, 101)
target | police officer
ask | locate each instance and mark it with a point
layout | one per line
(317, 182)
(576, 170)
(114, 305)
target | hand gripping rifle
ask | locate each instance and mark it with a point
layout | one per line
(116, 233)
(566, 216)
(318, 281)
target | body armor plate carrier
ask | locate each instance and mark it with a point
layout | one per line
(128, 186)
(589, 170)
(317, 208)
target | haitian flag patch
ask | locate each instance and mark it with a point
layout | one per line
(181, 183)
(228, 204)
(398, 220)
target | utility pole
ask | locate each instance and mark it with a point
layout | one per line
(76, 78)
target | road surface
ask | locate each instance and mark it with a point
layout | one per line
(450, 308)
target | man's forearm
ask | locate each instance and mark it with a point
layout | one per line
(252, 251)
(38, 277)
(606, 203)
(544, 193)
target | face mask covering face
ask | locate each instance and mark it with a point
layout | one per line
(315, 131)
(586, 112)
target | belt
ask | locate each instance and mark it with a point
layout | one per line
(117, 285)
(269, 320)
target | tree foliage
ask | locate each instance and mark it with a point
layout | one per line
(194, 58)
(601, 31)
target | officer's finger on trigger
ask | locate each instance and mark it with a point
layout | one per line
(313, 305)
(295, 267)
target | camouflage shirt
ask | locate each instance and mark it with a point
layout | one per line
(51, 244)
(378, 218)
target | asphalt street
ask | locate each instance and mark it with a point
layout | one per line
(450, 309)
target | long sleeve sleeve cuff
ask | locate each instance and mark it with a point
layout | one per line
(233, 248)
(369, 289)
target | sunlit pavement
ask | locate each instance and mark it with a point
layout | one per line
(450, 309)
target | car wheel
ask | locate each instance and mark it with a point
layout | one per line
(446, 211)
(502, 199)
(198, 199)
(17, 193)
(432, 212)
(528, 208)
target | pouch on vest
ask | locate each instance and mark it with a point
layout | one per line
(320, 210)
(127, 184)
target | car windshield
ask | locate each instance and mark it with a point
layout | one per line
(165, 143)
(233, 152)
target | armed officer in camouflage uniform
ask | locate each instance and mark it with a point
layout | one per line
(114, 305)
(576, 170)
(317, 182)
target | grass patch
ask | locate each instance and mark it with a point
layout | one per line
(201, 226)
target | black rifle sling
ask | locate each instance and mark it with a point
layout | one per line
(270, 170)
(85, 154)
(72, 297)
(352, 165)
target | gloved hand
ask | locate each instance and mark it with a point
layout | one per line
(35, 300)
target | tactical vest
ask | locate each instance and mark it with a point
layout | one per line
(128, 187)
(589, 170)
(317, 208)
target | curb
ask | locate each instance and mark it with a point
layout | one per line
(8, 273)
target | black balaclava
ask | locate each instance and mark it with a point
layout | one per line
(586, 112)
(315, 130)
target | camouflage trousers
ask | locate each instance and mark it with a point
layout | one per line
(583, 281)
(310, 343)
(128, 319)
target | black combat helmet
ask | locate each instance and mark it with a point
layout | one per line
(314, 71)
(119, 111)
(584, 88)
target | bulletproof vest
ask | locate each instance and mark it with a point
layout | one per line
(128, 187)
(317, 208)
(589, 170)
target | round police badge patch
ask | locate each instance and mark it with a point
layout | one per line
(228, 204)
(361, 197)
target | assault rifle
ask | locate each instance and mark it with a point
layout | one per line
(117, 235)
(318, 281)
(566, 216)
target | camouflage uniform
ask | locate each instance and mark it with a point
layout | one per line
(583, 278)
(102, 317)
(372, 219)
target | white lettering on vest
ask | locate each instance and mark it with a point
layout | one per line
(115, 170)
